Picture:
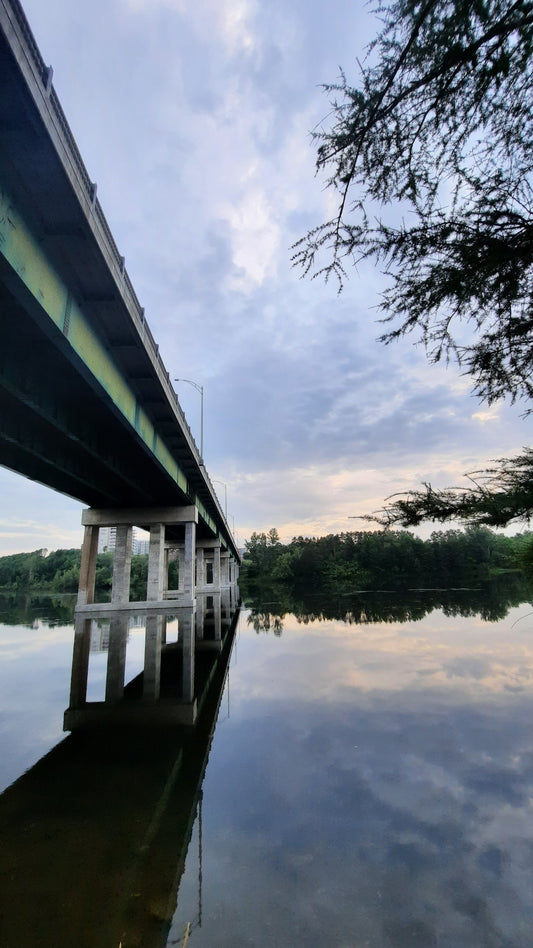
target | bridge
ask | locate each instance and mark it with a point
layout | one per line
(86, 404)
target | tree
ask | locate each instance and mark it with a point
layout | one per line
(496, 496)
(431, 154)
(261, 552)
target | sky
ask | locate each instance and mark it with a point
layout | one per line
(194, 119)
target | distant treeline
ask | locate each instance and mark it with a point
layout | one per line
(335, 564)
(59, 572)
(383, 559)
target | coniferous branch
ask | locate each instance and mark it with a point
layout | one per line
(439, 129)
(498, 495)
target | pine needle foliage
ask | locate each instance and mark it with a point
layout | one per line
(498, 495)
(431, 155)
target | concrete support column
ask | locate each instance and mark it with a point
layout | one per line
(152, 657)
(88, 566)
(156, 563)
(186, 635)
(224, 568)
(165, 570)
(116, 659)
(80, 662)
(216, 567)
(200, 567)
(181, 568)
(120, 591)
(189, 560)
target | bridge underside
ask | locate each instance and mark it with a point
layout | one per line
(56, 429)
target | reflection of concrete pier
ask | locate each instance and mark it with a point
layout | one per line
(174, 674)
(94, 836)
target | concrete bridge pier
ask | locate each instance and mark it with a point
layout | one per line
(216, 566)
(189, 557)
(120, 589)
(181, 568)
(89, 551)
(208, 566)
(200, 566)
(157, 520)
(204, 567)
(157, 560)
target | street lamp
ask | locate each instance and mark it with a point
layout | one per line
(199, 388)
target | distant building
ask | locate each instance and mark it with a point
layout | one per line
(107, 539)
(140, 544)
(108, 536)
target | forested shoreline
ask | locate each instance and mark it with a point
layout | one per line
(385, 559)
(334, 564)
(58, 571)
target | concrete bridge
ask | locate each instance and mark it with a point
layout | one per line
(86, 404)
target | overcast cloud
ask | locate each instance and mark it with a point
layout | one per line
(194, 119)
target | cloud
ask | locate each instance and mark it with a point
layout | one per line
(195, 121)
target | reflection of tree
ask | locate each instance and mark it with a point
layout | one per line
(266, 622)
(26, 610)
(490, 601)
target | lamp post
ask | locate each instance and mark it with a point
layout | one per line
(199, 388)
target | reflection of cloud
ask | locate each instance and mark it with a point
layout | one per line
(415, 658)
(378, 812)
(20, 642)
(468, 667)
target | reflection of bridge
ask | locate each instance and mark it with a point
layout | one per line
(173, 681)
(95, 835)
(86, 404)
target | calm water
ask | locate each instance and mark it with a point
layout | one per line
(370, 783)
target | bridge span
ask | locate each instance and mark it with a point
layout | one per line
(86, 404)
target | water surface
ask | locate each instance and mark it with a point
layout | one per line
(369, 782)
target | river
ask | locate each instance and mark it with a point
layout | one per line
(358, 780)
